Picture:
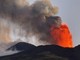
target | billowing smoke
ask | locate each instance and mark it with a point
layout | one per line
(25, 22)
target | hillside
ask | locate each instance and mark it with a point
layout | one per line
(47, 52)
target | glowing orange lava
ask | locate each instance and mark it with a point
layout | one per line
(62, 36)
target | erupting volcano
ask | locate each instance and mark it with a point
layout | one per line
(31, 24)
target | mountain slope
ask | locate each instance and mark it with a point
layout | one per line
(21, 46)
(48, 52)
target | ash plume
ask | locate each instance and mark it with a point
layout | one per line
(44, 7)
(26, 22)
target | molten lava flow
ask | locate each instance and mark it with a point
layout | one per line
(62, 36)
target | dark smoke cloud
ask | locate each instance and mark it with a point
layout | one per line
(29, 18)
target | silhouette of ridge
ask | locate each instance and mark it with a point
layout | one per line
(50, 52)
(21, 46)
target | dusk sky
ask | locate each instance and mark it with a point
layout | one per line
(69, 12)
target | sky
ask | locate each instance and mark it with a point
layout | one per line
(69, 12)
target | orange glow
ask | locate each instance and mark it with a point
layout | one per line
(62, 36)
